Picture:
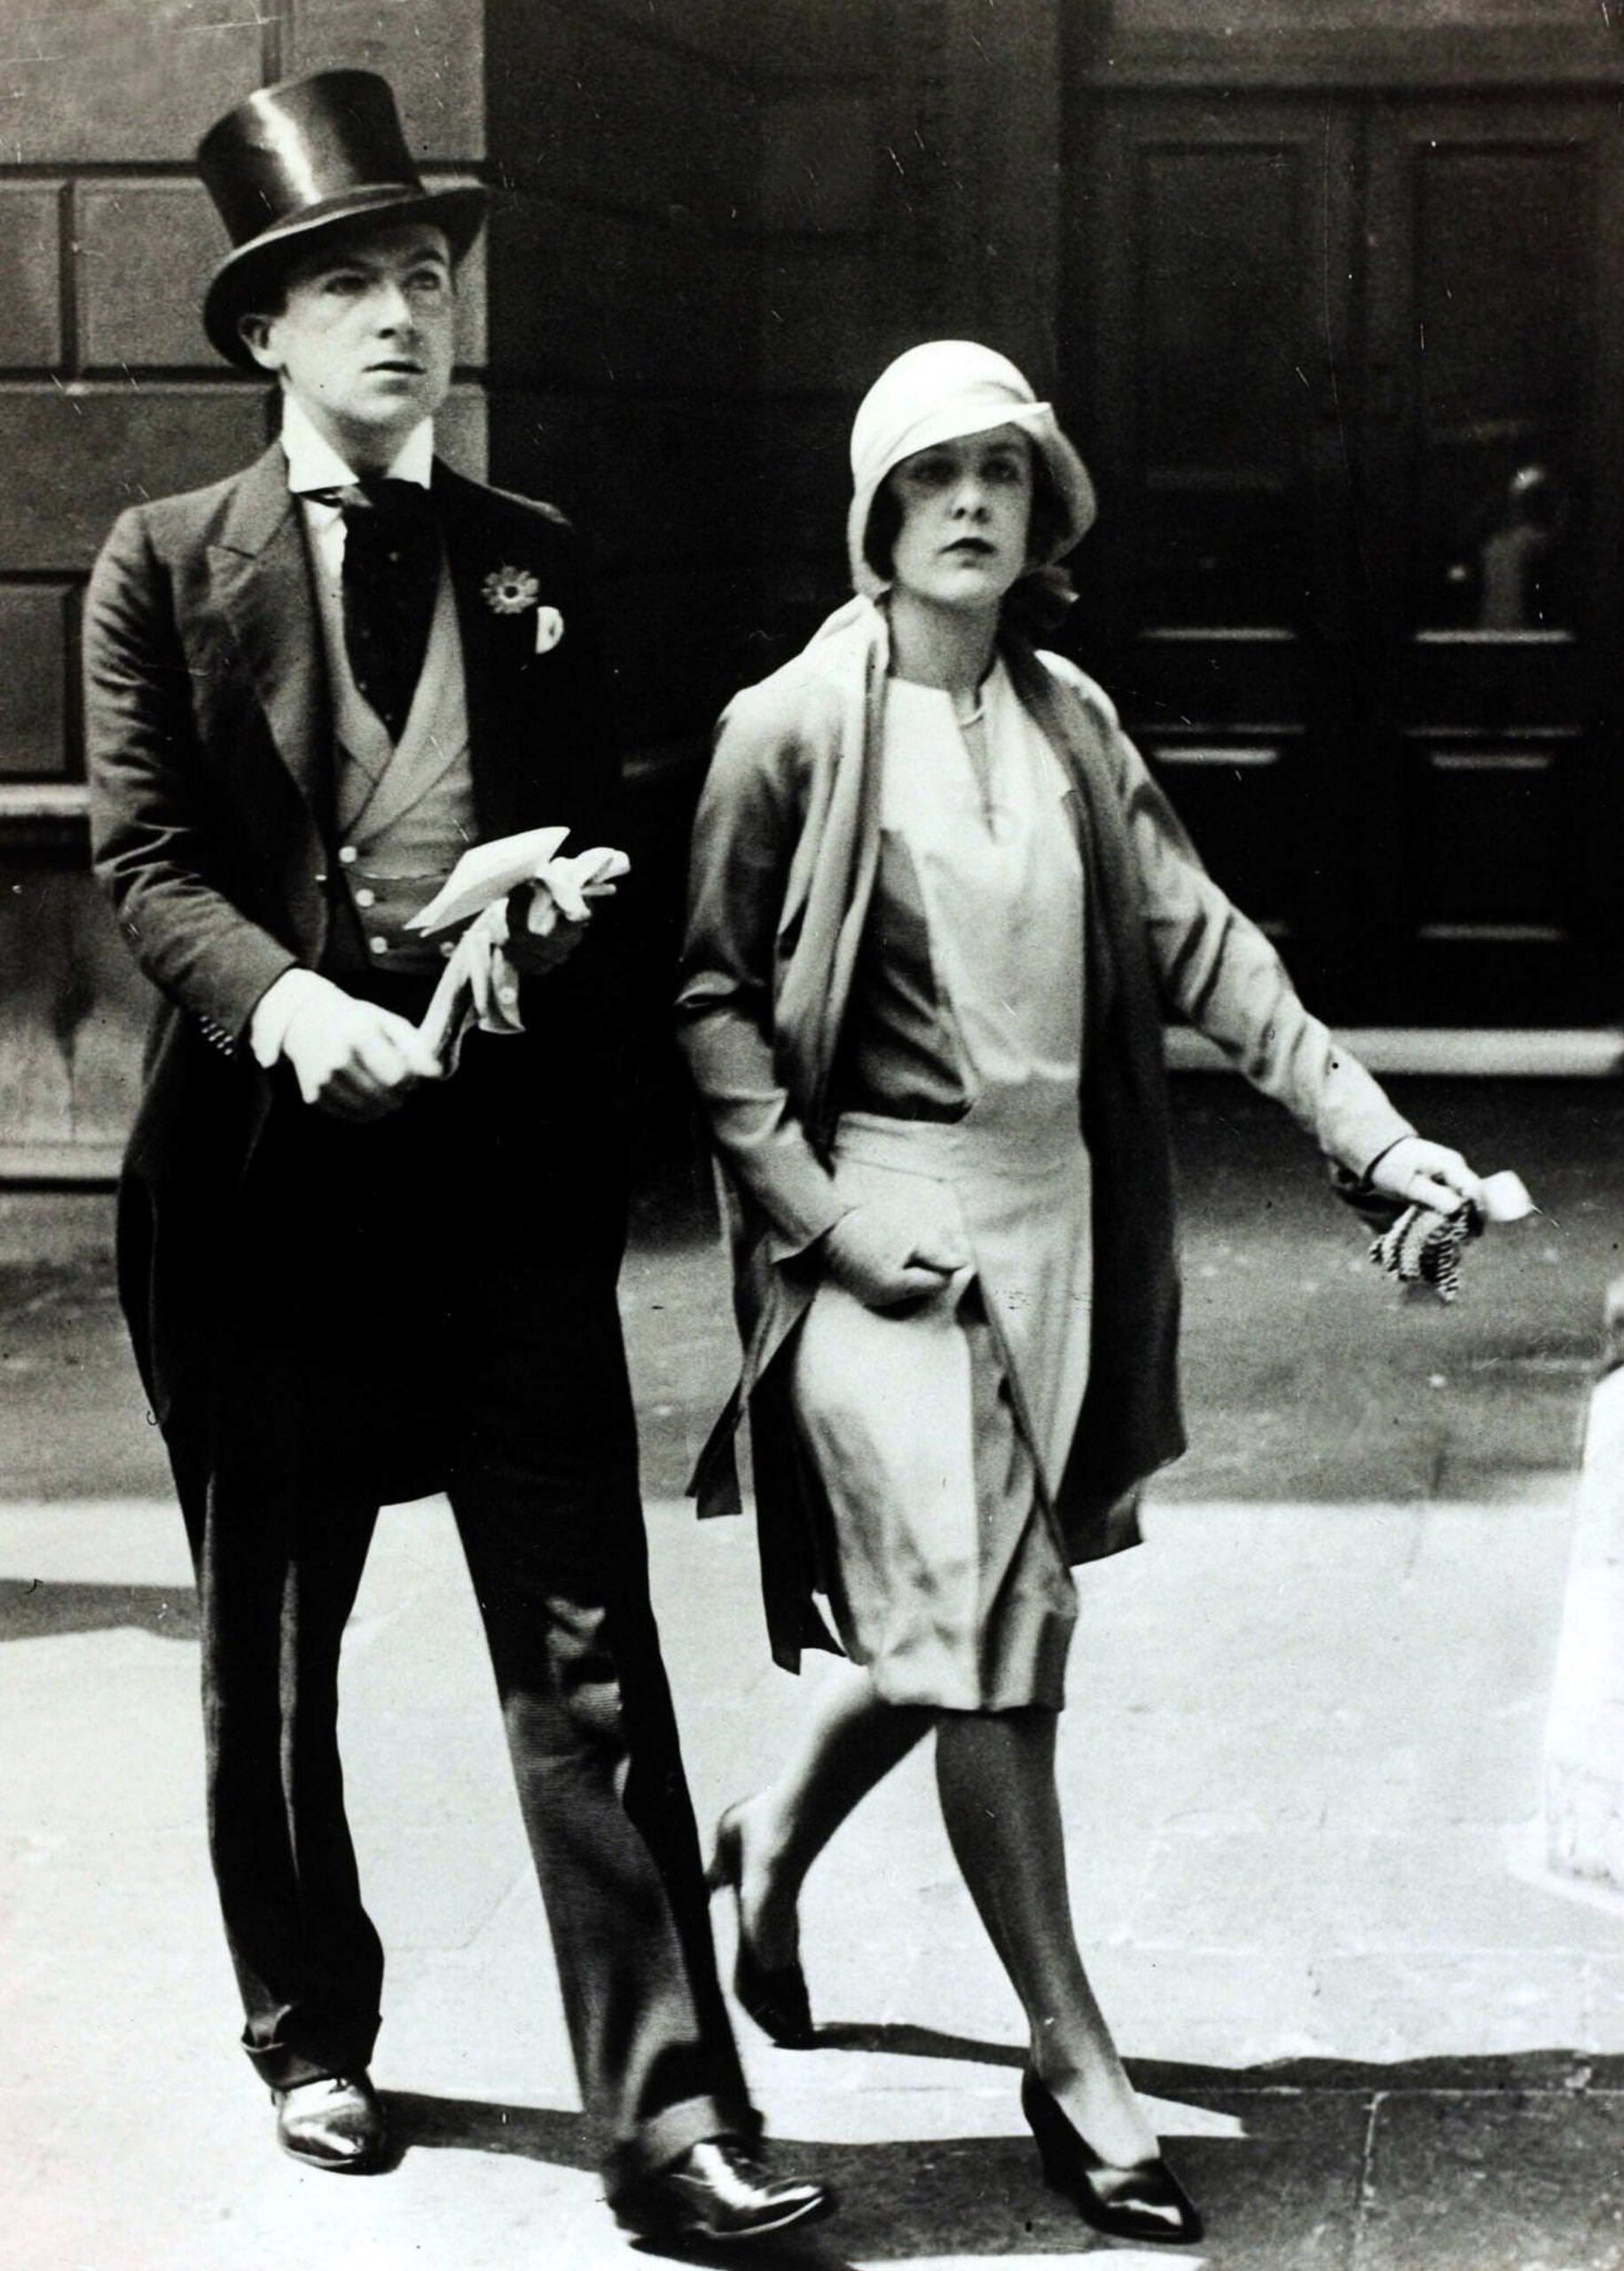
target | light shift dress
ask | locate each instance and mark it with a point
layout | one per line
(939, 1435)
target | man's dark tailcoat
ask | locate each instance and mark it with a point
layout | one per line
(329, 1315)
(208, 724)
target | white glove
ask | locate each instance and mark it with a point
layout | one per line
(561, 890)
(351, 1058)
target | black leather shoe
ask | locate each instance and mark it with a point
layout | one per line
(719, 2191)
(335, 2123)
(1146, 2201)
(774, 1996)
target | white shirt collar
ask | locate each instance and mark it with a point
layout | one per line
(313, 462)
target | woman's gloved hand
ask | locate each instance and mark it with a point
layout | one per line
(1421, 1173)
(886, 1263)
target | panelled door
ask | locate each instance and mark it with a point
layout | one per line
(1345, 377)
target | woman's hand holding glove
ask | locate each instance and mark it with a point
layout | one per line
(1444, 1203)
(1421, 1173)
(885, 1263)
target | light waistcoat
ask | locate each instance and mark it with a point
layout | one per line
(403, 812)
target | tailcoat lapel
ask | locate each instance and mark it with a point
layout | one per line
(262, 576)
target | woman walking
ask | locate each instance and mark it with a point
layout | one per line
(937, 911)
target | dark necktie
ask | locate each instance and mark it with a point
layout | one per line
(391, 571)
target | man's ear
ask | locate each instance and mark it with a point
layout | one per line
(256, 333)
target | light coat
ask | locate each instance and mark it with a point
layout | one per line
(785, 851)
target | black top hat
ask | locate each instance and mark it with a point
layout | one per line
(301, 157)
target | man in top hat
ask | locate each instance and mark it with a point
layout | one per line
(351, 1277)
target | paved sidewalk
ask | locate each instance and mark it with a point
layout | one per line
(1299, 1771)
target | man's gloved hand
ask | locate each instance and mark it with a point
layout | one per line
(352, 1058)
(546, 919)
(886, 1263)
(536, 947)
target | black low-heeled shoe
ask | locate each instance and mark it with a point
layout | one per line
(1146, 2201)
(775, 1995)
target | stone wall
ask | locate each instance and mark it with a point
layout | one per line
(623, 285)
(715, 224)
(908, 188)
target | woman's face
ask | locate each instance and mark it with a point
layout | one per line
(966, 508)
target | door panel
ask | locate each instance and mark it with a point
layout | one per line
(1359, 563)
(1217, 607)
(1483, 454)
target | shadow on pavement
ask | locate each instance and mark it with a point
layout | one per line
(31, 1609)
(898, 2039)
(479, 2125)
(1481, 2161)
(564, 2141)
(1527, 2070)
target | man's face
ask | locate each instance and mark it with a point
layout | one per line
(365, 337)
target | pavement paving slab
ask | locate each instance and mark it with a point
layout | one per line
(1279, 1982)
(1494, 2180)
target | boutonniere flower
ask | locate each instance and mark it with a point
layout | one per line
(511, 591)
(515, 590)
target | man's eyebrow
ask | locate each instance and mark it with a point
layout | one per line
(328, 264)
(364, 256)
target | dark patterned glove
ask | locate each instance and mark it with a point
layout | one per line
(1423, 1248)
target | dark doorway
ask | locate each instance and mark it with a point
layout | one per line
(1349, 368)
